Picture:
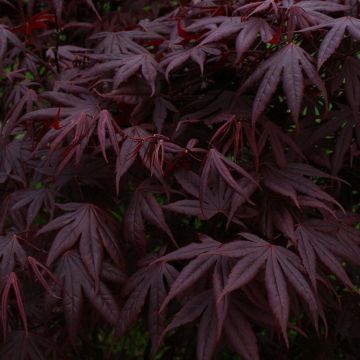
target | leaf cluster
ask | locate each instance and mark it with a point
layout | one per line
(185, 167)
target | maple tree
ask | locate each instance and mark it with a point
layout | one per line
(172, 165)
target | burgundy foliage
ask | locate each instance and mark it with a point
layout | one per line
(191, 167)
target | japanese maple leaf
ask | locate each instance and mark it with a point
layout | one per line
(126, 66)
(12, 255)
(218, 198)
(315, 133)
(159, 25)
(6, 36)
(143, 206)
(192, 250)
(12, 157)
(205, 22)
(91, 171)
(66, 56)
(77, 119)
(122, 42)
(349, 78)
(231, 134)
(287, 64)
(236, 327)
(200, 306)
(91, 229)
(239, 333)
(347, 131)
(179, 57)
(70, 104)
(212, 306)
(221, 273)
(107, 126)
(342, 123)
(40, 272)
(35, 201)
(280, 267)
(153, 149)
(12, 283)
(129, 149)
(149, 282)
(258, 6)
(247, 32)
(335, 35)
(226, 28)
(161, 109)
(216, 108)
(279, 140)
(304, 14)
(27, 345)
(25, 100)
(232, 314)
(195, 269)
(65, 116)
(292, 181)
(186, 35)
(78, 131)
(274, 213)
(218, 163)
(78, 283)
(214, 201)
(318, 241)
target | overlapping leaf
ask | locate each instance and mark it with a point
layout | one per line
(127, 66)
(150, 282)
(77, 284)
(292, 181)
(152, 150)
(218, 163)
(74, 123)
(258, 6)
(12, 157)
(12, 283)
(247, 32)
(240, 334)
(278, 139)
(335, 35)
(89, 228)
(122, 42)
(198, 54)
(281, 266)
(34, 201)
(33, 347)
(143, 207)
(287, 64)
(350, 74)
(6, 37)
(319, 244)
(304, 14)
(12, 254)
(218, 198)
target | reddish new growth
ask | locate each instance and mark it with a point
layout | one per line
(183, 175)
